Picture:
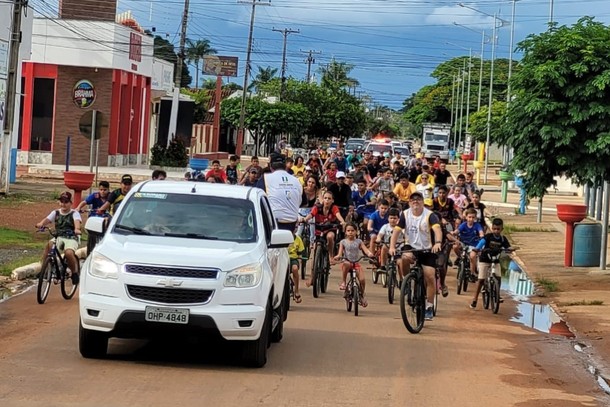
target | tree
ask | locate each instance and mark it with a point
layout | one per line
(263, 76)
(195, 52)
(267, 120)
(559, 121)
(163, 49)
(335, 75)
(478, 122)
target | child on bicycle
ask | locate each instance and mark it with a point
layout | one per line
(470, 232)
(67, 226)
(349, 248)
(294, 252)
(491, 245)
(385, 234)
(325, 214)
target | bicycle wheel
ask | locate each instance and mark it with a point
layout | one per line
(412, 304)
(374, 275)
(324, 275)
(348, 297)
(355, 295)
(436, 288)
(384, 278)
(44, 280)
(460, 278)
(391, 283)
(494, 293)
(305, 255)
(317, 270)
(68, 288)
(485, 293)
(465, 277)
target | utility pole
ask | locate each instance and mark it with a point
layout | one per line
(173, 119)
(285, 33)
(242, 113)
(11, 94)
(310, 60)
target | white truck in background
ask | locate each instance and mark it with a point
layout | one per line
(435, 140)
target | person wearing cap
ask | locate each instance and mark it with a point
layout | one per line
(116, 197)
(67, 226)
(284, 192)
(422, 229)
(254, 164)
(251, 178)
(342, 194)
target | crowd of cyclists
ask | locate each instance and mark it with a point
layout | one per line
(377, 204)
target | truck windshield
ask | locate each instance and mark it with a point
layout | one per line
(188, 216)
(379, 148)
(436, 138)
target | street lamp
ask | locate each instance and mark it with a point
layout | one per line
(491, 79)
(469, 72)
(505, 156)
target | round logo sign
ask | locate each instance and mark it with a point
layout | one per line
(83, 94)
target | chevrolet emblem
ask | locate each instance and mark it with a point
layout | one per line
(169, 282)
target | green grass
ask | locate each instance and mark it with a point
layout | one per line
(6, 269)
(549, 286)
(581, 302)
(16, 239)
(17, 198)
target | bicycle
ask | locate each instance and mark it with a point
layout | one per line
(413, 296)
(321, 265)
(54, 268)
(393, 279)
(491, 285)
(464, 274)
(353, 292)
(376, 272)
(306, 238)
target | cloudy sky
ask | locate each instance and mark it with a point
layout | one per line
(393, 44)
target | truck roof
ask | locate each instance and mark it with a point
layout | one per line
(199, 188)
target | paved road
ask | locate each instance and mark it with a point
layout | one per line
(327, 358)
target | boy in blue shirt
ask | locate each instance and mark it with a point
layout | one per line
(469, 232)
(491, 244)
(376, 221)
(96, 199)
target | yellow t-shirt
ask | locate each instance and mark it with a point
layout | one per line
(297, 169)
(296, 247)
(404, 193)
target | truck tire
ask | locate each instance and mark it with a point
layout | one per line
(92, 344)
(254, 353)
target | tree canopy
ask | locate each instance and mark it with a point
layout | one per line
(195, 51)
(559, 120)
(163, 49)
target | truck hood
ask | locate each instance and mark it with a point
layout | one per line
(170, 251)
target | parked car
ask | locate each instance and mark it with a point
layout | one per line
(354, 144)
(182, 257)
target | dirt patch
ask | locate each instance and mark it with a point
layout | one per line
(23, 214)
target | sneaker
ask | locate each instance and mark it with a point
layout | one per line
(473, 304)
(445, 291)
(429, 314)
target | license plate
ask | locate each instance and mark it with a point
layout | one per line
(167, 315)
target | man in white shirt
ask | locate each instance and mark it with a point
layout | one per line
(284, 192)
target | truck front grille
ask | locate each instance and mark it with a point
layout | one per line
(169, 295)
(172, 271)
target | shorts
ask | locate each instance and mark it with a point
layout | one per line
(64, 243)
(427, 259)
(484, 270)
(294, 262)
(291, 226)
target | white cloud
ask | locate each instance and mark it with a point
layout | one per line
(461, 15)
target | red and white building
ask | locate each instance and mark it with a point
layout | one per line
(84, 61)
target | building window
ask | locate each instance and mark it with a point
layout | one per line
(42, 115)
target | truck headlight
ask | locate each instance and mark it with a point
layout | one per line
(103, 267)
(246, 276)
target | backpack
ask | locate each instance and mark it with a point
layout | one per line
(64, 224)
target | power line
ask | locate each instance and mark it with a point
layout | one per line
(285, 33)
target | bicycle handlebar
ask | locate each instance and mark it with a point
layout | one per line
(359, 259)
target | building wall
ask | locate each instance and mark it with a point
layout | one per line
(68, 114)
(104, 10)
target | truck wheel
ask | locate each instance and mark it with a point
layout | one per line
(255, 352)
(286, 298)
(278, 321)
(92, 344)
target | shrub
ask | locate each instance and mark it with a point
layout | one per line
(175, 155)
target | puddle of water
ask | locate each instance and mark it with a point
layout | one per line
(540, 317)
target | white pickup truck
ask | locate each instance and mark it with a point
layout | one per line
(185, 257)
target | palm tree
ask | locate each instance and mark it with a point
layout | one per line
(195, 52)
(336, 75)
(263, 76)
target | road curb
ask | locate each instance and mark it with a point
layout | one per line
(24, 272)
